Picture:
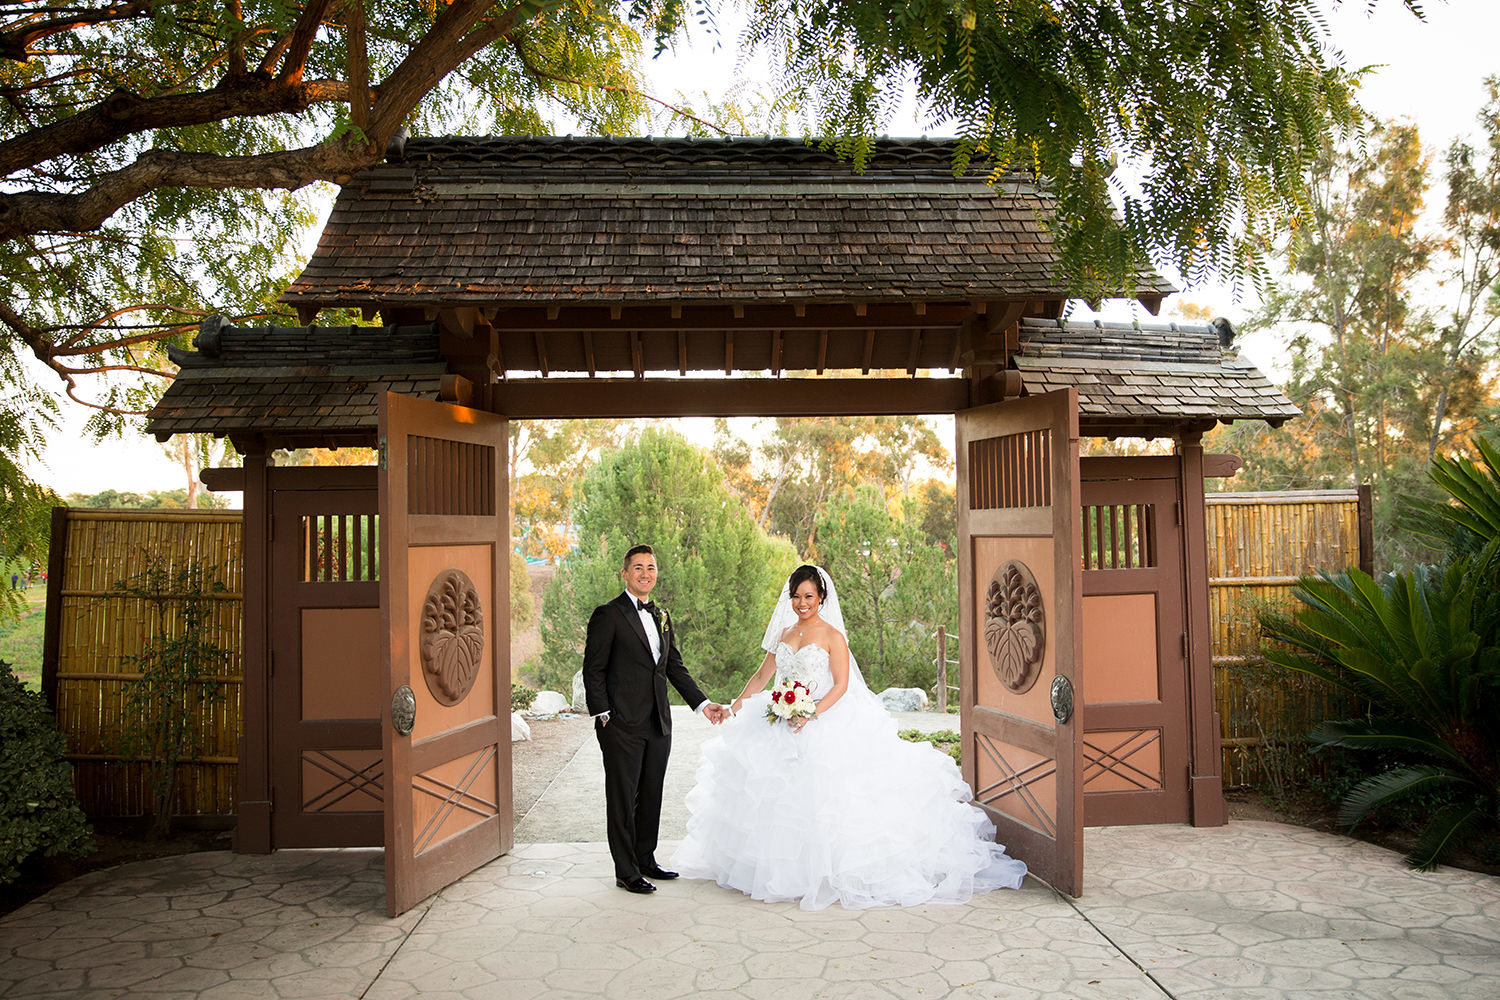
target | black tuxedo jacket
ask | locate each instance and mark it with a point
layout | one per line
(621, 678)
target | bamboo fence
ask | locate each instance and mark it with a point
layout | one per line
(1258, 545)
(93, 631)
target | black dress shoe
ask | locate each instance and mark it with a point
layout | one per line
(657, 872)
(636, 884)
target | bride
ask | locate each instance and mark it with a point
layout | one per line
(832, 806)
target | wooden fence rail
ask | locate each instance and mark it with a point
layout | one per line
(1258, 545)
(93, 630)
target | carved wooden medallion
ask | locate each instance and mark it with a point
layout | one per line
(1015, 631)
(452, 640)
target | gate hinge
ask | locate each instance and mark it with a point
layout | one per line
(1184, 645)
(383, 451)
(1177, 512)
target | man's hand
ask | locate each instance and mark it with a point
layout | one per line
(715, 713)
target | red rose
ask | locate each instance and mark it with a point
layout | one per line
(775, 695)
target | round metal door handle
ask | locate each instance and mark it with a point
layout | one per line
(403, 710)
(1062, 699)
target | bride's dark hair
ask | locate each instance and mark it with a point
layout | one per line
(801, 575)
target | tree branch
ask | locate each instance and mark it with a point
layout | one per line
(16, 41)
(124, 113)
(301, 42)
(540, 74)
(31, 212)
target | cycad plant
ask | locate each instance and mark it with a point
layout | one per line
(1422, 647)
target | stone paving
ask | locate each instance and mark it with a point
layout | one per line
(1243, 912)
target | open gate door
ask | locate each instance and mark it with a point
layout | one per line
(1020, 588)
(444, 549)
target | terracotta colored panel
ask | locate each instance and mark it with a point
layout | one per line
(1019, 783)
(1119, 648)
(452, 797)
(1123, 761)
(342, 780)
(1037, 554)
(341, 663)
(424, 564)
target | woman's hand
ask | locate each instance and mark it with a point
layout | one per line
(735, 708)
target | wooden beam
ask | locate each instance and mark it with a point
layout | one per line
(869, 350)
(588, 353)
(916, 352)
(822, 351)
(737, 316)
(536, 399)
(728, 352)
(495, 360)
(459, 320)
(1217, 466)
(541, 353)
(681, 352)
(776, 352)
(637, 363)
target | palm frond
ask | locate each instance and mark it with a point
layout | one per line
(1443, 832)
(1394, 784)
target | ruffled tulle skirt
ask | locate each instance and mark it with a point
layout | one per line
(845, 811)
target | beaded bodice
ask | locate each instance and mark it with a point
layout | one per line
(808, 664)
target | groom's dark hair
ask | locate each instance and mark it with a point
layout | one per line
(637, 550)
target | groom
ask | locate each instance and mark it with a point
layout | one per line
(629, 654)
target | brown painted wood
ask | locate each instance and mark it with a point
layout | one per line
(301, 742)
(1219, 466)
(1366, 529)
(1036, 439)
(253, 805)
(1168, 712)
(57, 561)
(1206, 763)
(537, 399)
(436, 458)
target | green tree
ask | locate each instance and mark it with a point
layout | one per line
(720, 574)
(148, 148)
(895, 586)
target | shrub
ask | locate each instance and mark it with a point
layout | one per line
(38, 809)
(946, 740)
(521, 697)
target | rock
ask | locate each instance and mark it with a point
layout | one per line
(547, 703)
(580, 699)
(519, 730)
(904, 699)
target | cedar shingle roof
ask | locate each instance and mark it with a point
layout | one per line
(497, 220)
(1135, 373)
(296, 385)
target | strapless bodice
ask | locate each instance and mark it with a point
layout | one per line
(808, 664)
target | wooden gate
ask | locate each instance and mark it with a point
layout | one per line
(327, 774)
(1135, 739)
(1020, 590)
(445, 539)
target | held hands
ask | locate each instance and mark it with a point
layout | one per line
(715, 713)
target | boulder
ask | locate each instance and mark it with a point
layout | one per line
(519, 730)
(904, 699)
(547, 703)
(580, 699)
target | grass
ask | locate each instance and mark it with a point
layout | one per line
(21, 642)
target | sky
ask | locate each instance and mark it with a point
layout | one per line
(1429, 72)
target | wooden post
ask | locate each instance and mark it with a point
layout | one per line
(1366, 529)
(57, 562)
(1205, 779)
(252, 831)
(942, 668)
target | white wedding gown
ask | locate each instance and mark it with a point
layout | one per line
(845, 811)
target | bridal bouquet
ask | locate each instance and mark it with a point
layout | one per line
(790, 700)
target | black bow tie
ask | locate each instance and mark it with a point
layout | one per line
(647, 606)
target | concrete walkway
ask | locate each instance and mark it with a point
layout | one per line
(1251, 910)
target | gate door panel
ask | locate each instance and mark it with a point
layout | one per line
(445, 546)
(1020, 656)
(1135, 740)
(327, 773)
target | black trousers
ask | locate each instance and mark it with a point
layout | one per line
(635, 767)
